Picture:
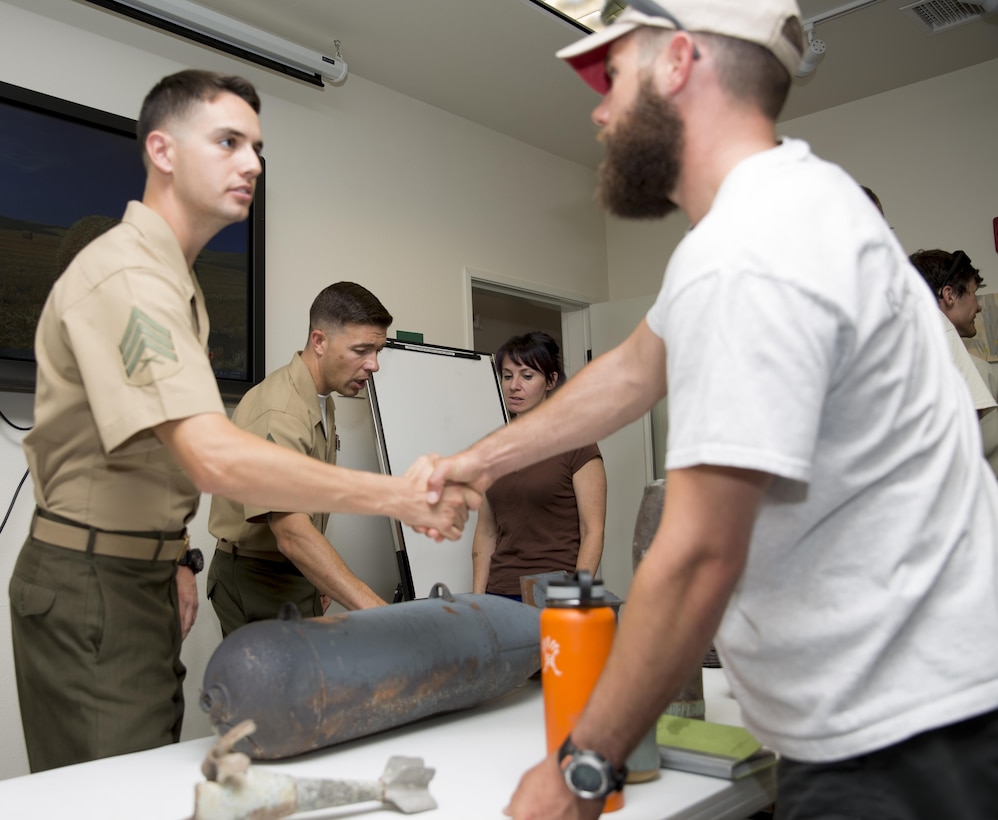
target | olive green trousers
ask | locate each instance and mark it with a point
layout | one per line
(243, 590)
(96, 654)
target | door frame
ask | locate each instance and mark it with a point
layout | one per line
(574, 309)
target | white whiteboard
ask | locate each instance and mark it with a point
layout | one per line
(432, 399)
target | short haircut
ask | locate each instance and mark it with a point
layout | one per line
(747, 71)
(346, 303)
(175, 95)
(537, 350)
(751, 72)
(941, 268)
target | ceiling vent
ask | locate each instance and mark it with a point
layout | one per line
(934, 16)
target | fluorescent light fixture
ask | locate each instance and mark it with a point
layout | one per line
(232, 36)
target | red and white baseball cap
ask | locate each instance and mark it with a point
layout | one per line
(757, 21)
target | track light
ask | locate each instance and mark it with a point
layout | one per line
(234, 37)
(814, 51)
(815, 48)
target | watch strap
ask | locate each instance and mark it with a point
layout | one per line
(193, 559)
(614, 778)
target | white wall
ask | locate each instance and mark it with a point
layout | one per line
(362, 184)
(17, 408)
(927, 149)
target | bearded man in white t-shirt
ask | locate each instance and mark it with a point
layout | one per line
(829, 515)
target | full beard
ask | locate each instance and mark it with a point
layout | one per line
(642, 162)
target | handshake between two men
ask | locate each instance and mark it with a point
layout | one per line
(441, 492)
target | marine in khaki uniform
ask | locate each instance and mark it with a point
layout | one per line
(266, 557)
(130, 430)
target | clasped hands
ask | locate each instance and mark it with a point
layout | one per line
(447, 489)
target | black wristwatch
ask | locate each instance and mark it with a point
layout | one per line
(193, 559)
(588, 774)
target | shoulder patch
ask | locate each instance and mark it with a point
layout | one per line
(147, 349)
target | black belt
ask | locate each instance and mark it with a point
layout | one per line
(233, 548)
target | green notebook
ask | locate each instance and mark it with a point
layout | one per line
(714, 749)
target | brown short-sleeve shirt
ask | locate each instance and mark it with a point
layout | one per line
(283, 408)
(537, 519)
(121, 347)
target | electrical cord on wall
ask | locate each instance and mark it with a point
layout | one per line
(24, 477)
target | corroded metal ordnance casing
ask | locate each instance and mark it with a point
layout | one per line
(690, 701)
(313, 683)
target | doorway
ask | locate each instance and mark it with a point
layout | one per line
(501, 309)
(497, 317)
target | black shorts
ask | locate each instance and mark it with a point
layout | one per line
(950, 773)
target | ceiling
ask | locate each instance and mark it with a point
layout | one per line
(492, 61)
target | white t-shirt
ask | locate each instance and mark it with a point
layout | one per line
(801, 342)
(989, 423)
(981, 397)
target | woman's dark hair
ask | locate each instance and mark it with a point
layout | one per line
(536, 349)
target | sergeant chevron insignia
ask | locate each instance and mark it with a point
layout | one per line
(145, 347)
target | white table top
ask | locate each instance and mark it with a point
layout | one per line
(479, 755)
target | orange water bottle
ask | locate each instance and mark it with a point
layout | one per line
(577, 628)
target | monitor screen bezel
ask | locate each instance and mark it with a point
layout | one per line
(19, 375)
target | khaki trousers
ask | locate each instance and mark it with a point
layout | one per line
(96, 654)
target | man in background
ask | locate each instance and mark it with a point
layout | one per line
(837, 529)
(265, 556)
(955, 281)
(130, 430)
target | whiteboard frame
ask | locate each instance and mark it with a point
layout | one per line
(422, 561)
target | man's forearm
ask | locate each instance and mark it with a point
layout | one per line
(664, 630)
(225, 460)
(307, 548)
(222, 459)
(675, 603)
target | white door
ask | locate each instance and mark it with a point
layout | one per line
(365, 542)
(627, 454)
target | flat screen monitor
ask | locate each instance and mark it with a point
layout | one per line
(63, 165)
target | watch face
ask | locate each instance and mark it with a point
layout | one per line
(587, 780)
(588, 774)
(194, 559)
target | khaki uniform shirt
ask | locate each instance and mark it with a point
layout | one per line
(283, 408)
(121, 347)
